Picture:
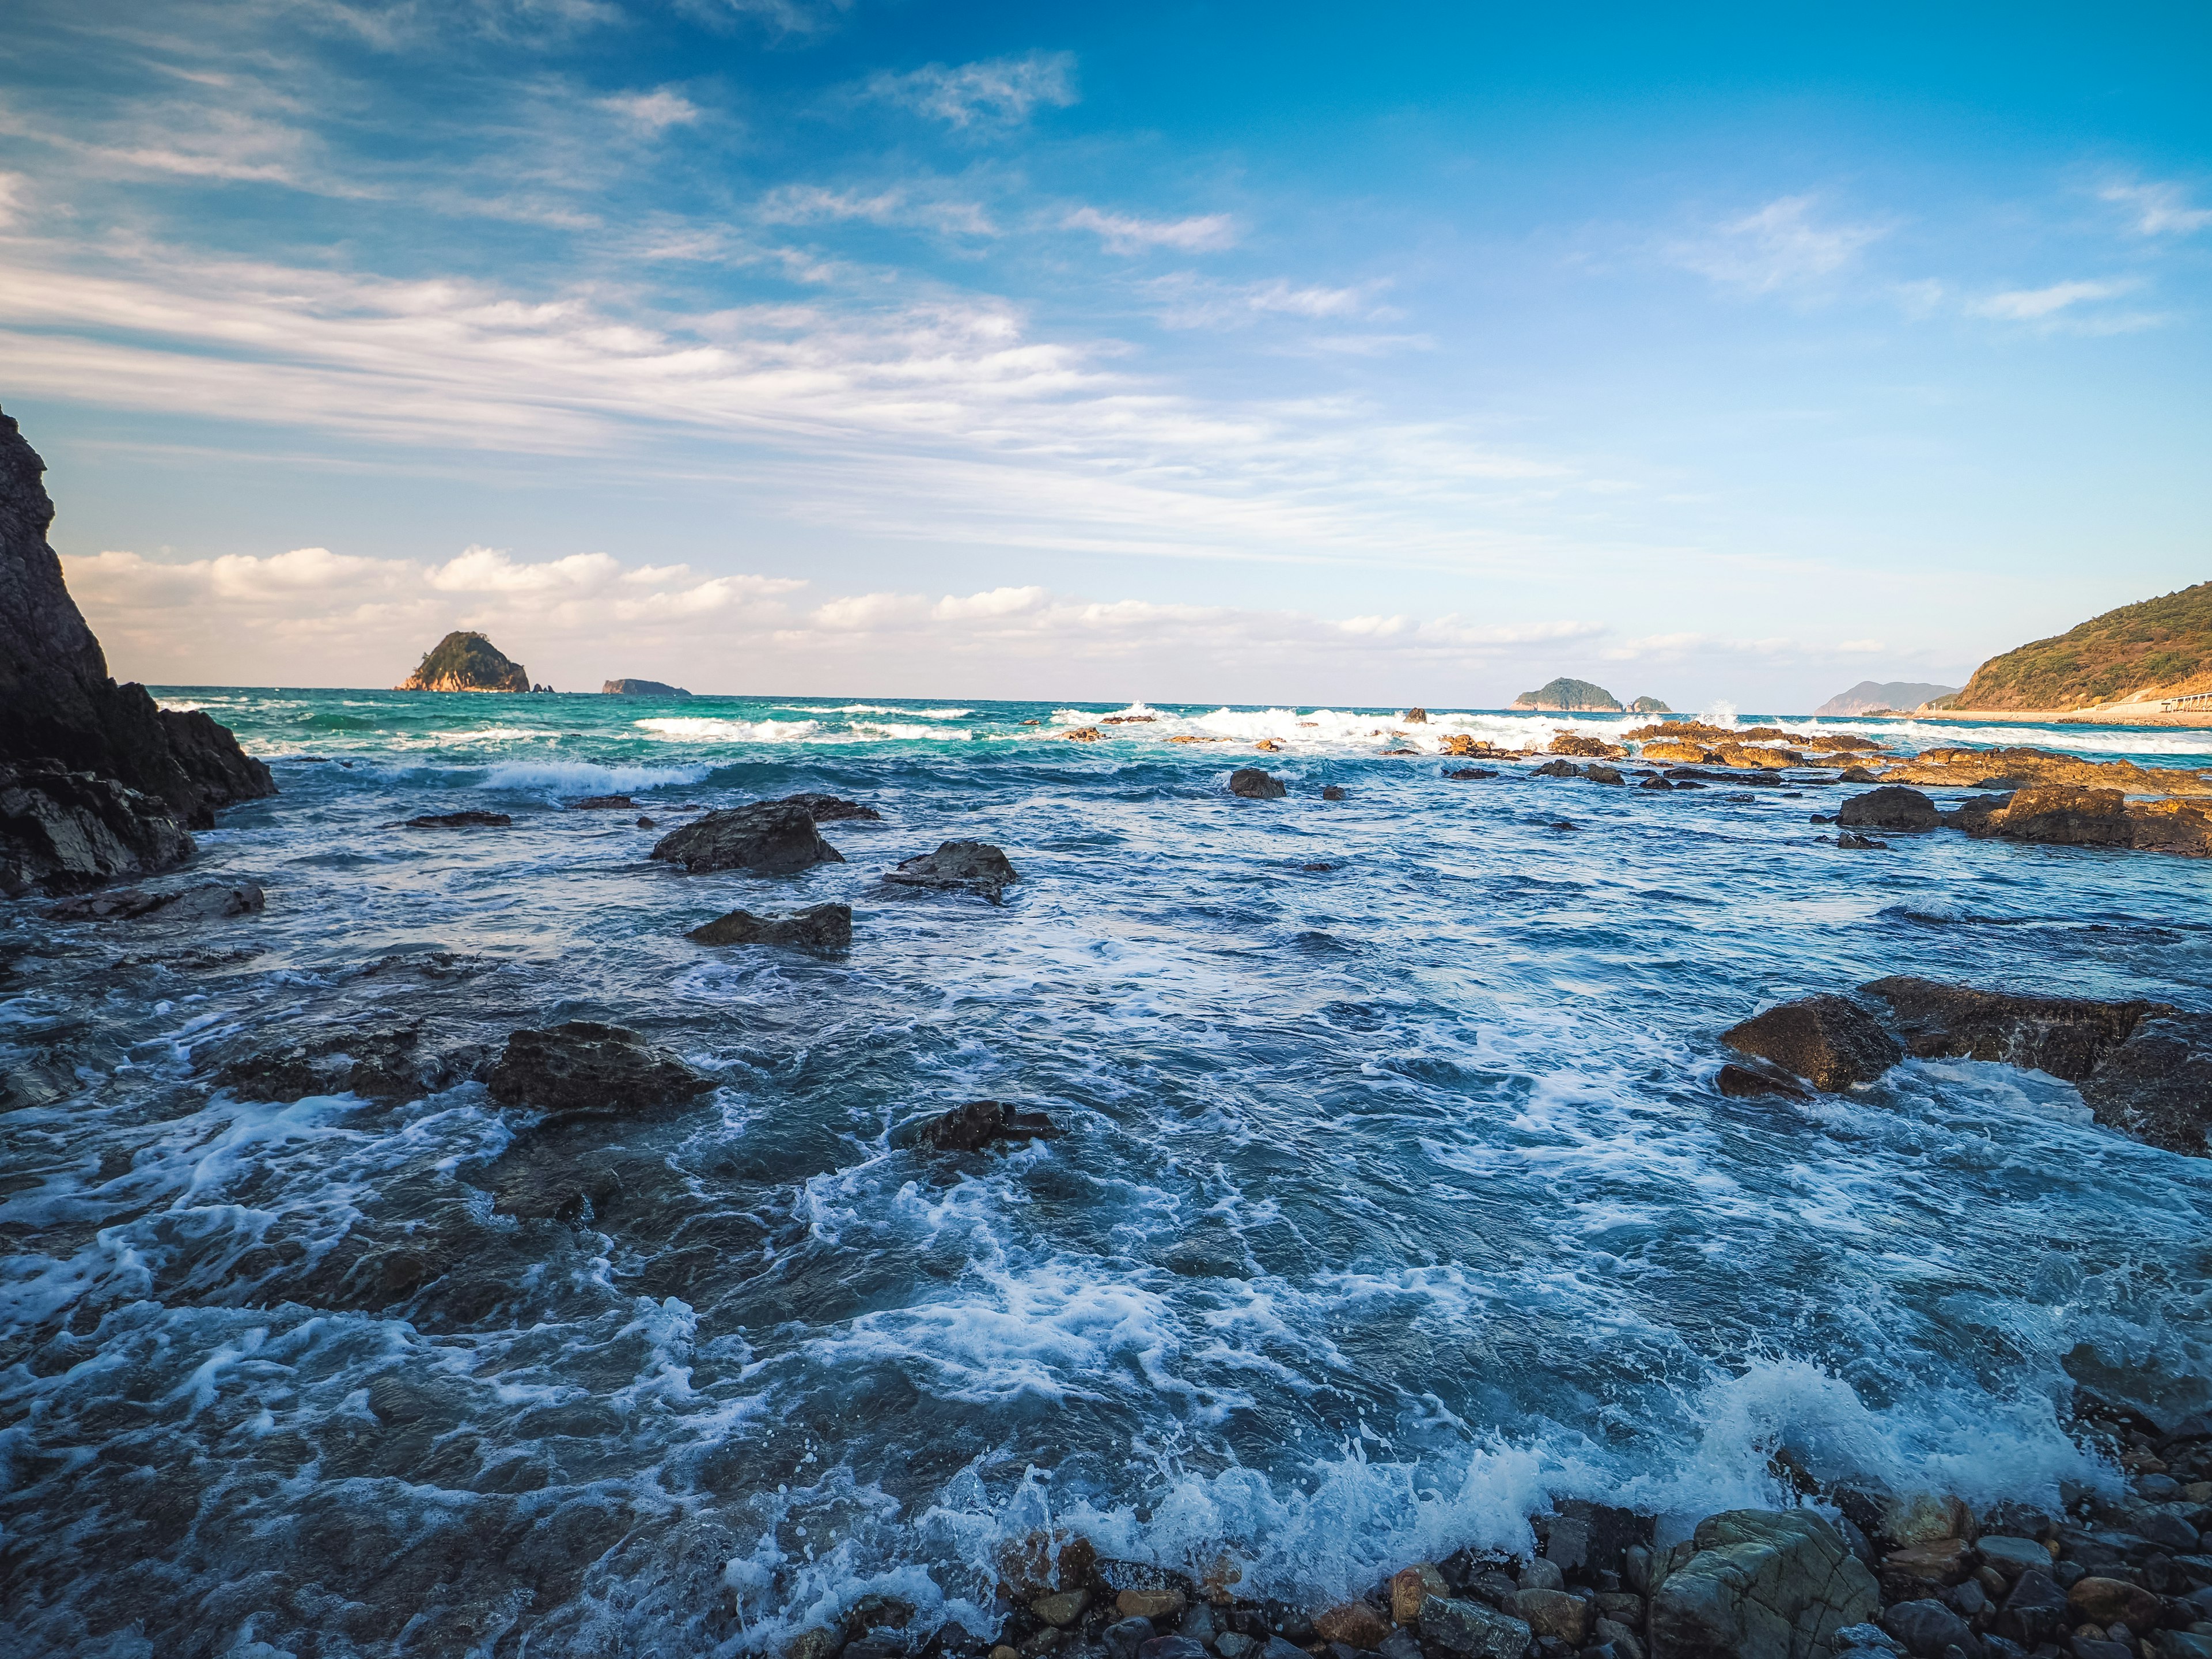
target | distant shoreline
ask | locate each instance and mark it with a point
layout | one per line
(2120, 714)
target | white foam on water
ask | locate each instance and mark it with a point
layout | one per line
(700, 728)
(893, 732)
(586, 778)
(883, 708)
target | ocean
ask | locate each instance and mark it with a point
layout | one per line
(1395, 1200)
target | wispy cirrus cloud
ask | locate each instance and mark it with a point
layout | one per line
(1787, 244)
(1189, 301)
(2028, 305)
(652, 112)
(1124, 233)
(996, 93)
(2158, 209)
(899, 205)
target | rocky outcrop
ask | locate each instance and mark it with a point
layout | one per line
(2063, 815)
(463, 820)
(1832, 1043)
(2065, 1037)
(974, 866)
(832, 809)
(1415, 716)
(819, 927)
(62, 717)
(465, 662)
(768, 838)
(642, 688)
(381, 1063)
(209, 902)
(1573, 742)
(982, 1123)
(1567, 696)
(1893, 807)
(2014, 768)
(584, 1069)
(1250, 783)
(1761, 1584)
(2157, 1086)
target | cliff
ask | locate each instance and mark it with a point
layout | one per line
(465, 662)
(642, 688)
(1867, 695)
(137, 775)
(1565, 694)
(2160, 648)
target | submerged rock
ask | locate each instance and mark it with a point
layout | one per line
(1852, 842)
(2066, 1036)
(830, 808)
(1831, 1042)
(210, 901)
(454, 821)
(384, 1063)
(1597, 773)
(767, 838)
(1761, 1584)
(1333, 791)
(1744, 1083)
(63, 831)
(975, 866)
(583, 1068)
(1557, 769)
(1250, 783)
(983, 1123)
(2157, 1085)
(603, 804)
(819, 927)
(1893, 807)
(1470, 774)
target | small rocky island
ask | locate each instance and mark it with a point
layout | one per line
(1572, 696)
(642, 688)
(465, 662)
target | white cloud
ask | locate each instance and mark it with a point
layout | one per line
(1192, 302)
(2023, 305)
(997, 92)
(1125, 233)
(1784, 245)
(15, 196)
(2160, 209)
(805, 204)
(654, 112)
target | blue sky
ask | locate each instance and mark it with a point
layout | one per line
(1204, 351)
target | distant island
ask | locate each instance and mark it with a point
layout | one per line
(465, 662)
(2136, 658)
(1563, 695)
(1649, 706)
(1880, 697)
(641, 688)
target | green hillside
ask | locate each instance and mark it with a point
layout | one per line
(2161, 646)
(1569, 694)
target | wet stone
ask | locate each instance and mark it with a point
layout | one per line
(1250, 783)
(975, 866)
(585, 1069)
(819, 927)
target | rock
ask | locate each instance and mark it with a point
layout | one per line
(1332, 791)
(1085, 734)
(1355, 1624)
(210, 901)
(1672, 751)
(2100, 1600)
(1918, 1568)
(63, 831)
(1250, 783)
(603, 804)
(1400, 1644)
(1741, 1083)
(1182, 1647)
(1967, 768)
(982, 1123)
(1927, 1628)
(2066, 1036)
(1892, 807)
(382, 1063)
(768, 838)
(2036, 1612)
(1416, 717)
(1061, 1608)
(1412, 1587)
(1760, 1585)
(1469, 774)
(1922, 1517)
(1852, 842)
(819, 927)
(1472, 1630)
(1573, 742)
(2169, 1532)
(454, 821)
(2184, 1644)
(1565, 694)
(2084, 1647)
(642, 688)
(2157, 1085)
(1597, 773)
(1044, 1562)
(1871, 1636)
(2068, 815)
(1125, 1636)
(815, 1644)
(1832, 1044)
(830, 808)
(975, 866)
(1156, 1605)
(1231, 1644)
(1612, 1633)
(646, 823)
(1655, 781)
(585, 1069)
(465, 662)
(1557, 769)
(1552, 1613)
(2012, 1557)
(1542, 1574)
(1856, 775)
(1459, 743)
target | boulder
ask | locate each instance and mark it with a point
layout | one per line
(1760, 1584)
(2066, 1036)
(831, 809)
(385, 1063)
(2067, 814)
(63, 831)
(1552, 1613)
(1459, 743)
(1333, 791)
(1850, 842)
(1673, 751)
(1412, 1587)
(1926, 1628)
(1557, 769)
(1597, 773)
(1922, 1568)
(2011, 1557)
(819, 927)
(1415, 716)
(1044, 1562)
(982, 1123)
(2103, 1601)
(1969, 769)
(1470, 774)
(767, 838)
(975, 866)
(1832, 1044)
(1892, 807)
(1470, 1630)
(209, 902)
(1250, 783)
(1355, 1624)
(2035, 1611)
(584, 1069)
(2157, 1085)
(454, 821)
(1085, 734)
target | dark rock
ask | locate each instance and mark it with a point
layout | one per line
(210, 901)
(1760, 1584)
(646, 823)
(2011, 1557)
(831, 809)
(1742, 1083)
(975, 866)
(2082, 1647)
(1894, 807)
(767, 838)
(1855, 844)
(1831, 1042)
(585, 1069)
(1469, 773)
(819, 927)
(2101, 1600)
(1926, 1628)
(603, 804)
(63, 831)
(377, 1063)
(1542, 1574)
(1124, 1637)
(1597, 773)
(1557, 769)
(2066, 815)
(1472, 1631)
(2036, 1612)
(2066, 1036)
(58, 704)
(1250, 783)
(454, 821)
(983, 1123)
(1333, 791)
(2169, 1532)
(1416, 717)
(2157, 1085)
(1655, 781)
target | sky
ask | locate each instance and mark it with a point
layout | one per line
(1190, 352)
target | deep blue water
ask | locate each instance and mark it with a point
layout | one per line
(1395, 1197)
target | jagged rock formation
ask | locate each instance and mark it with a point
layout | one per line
(465, 662)
(1567, 695)
(642, 688)
(1868, 695)
(2013, 769)
(2159, 647)
(96, 782)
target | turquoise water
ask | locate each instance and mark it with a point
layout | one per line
(1395, 1199)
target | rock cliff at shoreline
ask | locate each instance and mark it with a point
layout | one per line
(1566, 694)
(69, 734)
(2160, 648)
(465, 662)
